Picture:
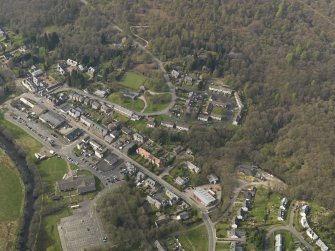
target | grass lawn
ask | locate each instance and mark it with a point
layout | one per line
(11, 200)
(24, 140)
(222, 227)
(196, 239)
(133, 80)
(118, 98)
(52, 170)
(219, 110)
(222, 246)
(157, 102)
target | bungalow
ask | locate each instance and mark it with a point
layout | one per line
(237, 233)
(193, 168)
(212, 178)
(167, 124)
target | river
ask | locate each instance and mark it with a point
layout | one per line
(28, 180)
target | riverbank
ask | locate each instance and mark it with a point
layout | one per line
(12, 192)
(29, 183)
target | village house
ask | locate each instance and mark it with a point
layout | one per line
(284, 203)
(91, 71)
(203, 117)
(61, 68)
(138, 137)
(234, 222)
(193, 168)
(167, 124)
(148, 156)
(221, 89)
(175, 73)
(322, 245)
(99, 130)
(86, 121)
(71, 62)
(278, 242)
(150, 183)
(173, 197)
(96, 105)
(212, 178)
(311, 234)
(182, 127)
(140, 176)
(181, 181)
(151, 123)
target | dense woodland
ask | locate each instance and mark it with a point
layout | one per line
(279, 53)
(127, 223)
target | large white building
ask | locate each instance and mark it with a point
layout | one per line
(204, 197)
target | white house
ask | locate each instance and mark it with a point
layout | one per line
(193, 168)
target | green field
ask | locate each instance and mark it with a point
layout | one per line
(134, 105)
(133, 80)
(157, 102)
(11, 201)
(219, 110)
(24, 140)
(52, 170)
(196, 239)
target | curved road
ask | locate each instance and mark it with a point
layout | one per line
(290, 228)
